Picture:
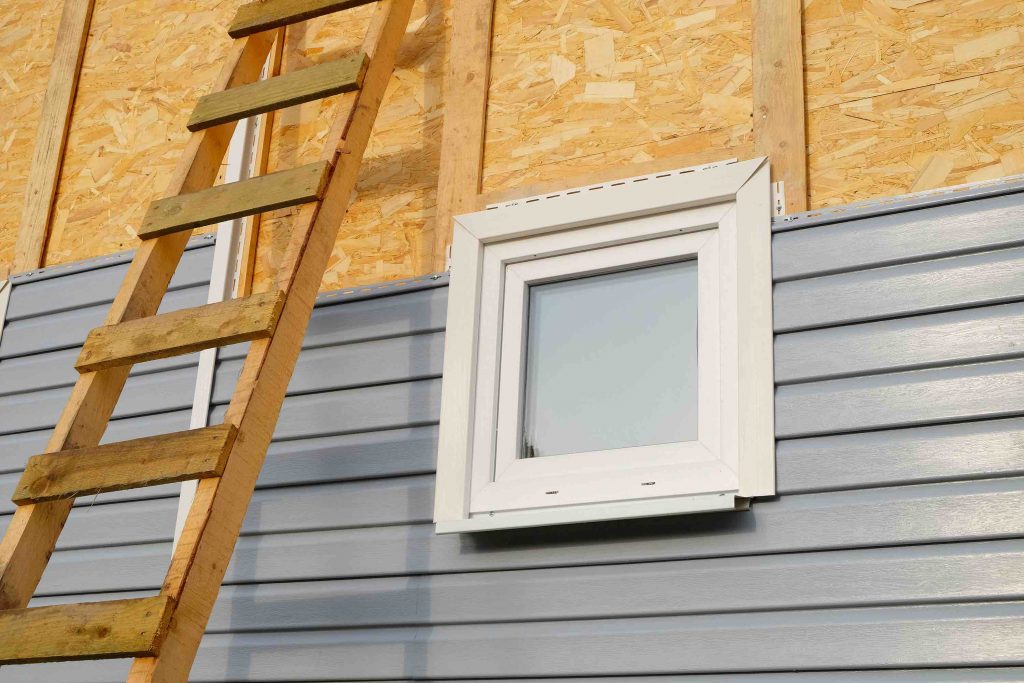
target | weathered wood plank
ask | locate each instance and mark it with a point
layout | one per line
(779, 109)
(264, 15)
(312, 83)
(94, 630)
(163, 459)
(52, 134)
(462, 143)
(180, 332)
(32, 533)
(215, 517)
(246, 197)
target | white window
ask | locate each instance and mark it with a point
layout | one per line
(609, 353)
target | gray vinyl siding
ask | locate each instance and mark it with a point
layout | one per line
(893, 551)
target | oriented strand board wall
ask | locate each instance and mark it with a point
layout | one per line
(145, 65)
(906, 95)
(388, 233)
(28, 29)
(576, 88)
(902, 95)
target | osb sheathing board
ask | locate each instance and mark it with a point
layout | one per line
(902, 95)
(581, 85)
(389, 230)
(28, 29)
(905, 95)
(146, 64)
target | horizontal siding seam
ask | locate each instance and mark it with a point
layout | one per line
(892, 206)
(350, 387)
(626, 617)
(104, 304)
(998, 301)
(934, 365)
(889, 263)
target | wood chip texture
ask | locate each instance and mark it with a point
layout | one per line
(902, 95)
(28, 29)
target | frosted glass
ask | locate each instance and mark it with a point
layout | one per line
(611, 361)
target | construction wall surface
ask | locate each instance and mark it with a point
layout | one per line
(901, 95)
(891, 554)
(28, 29)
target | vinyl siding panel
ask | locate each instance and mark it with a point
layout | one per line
(890, 554)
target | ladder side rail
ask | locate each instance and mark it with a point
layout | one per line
(215, 518)
(32, 533)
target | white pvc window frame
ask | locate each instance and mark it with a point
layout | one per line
(223, 286)
(720, 216)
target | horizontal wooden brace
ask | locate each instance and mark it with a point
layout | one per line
(89, 630)
(153, 460)
(233, 200)
(265, 15)
(181, 332)
(312, 83)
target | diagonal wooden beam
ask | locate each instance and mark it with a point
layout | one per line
(52, 134)
(779, 107)
(460, 178)
(215, 517)
(32, 532)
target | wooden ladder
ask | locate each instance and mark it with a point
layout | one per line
(163, 632)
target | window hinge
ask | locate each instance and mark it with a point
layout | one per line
(779, 197)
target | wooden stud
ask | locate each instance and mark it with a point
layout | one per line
(162, 459)
(52, 135)
(261, 161)
(32, 533)
(312, 83)
(90, 630)
(264, 15)
(779, 108)
(181, 332)
(460, 177)
(233, 200)
(215, 518)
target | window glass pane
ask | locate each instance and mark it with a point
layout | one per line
(611, 361)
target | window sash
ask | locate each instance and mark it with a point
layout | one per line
(501, 480)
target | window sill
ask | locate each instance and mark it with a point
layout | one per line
(713, 502)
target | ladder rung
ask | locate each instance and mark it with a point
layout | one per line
(234, 200)
(313, 83)
(268, 14)
(163, 459)
(181, 332)
(89, 630)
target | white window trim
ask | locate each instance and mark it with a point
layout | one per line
(588, 231)
(223, 285)
(5, 300)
